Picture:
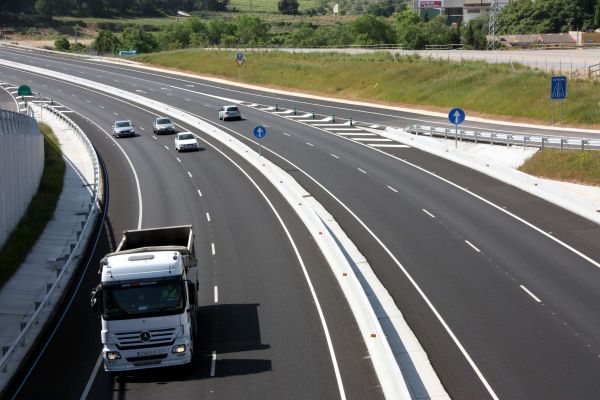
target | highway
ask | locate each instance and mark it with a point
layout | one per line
(258, 315)
(499, 286)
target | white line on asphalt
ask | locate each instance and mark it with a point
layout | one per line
(428, 213)
(87, 101)
(362, 170)
(333, 155)
(286, 134)
(392, 189)
(199, 193)
(533, 296)
(90, 381)
(208, 217)
(167, 147)
(102, 107)
(212, 248)
(115, 113)
(74, 95)
(213, 363)
(190, 174)
(216, 293)
(187, 100)
(154, 137)
(310, 144)
(473, 246)
(178, 159)
(142, 128)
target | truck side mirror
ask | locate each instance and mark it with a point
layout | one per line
(191, 292)
(96, 300)
(189, 261)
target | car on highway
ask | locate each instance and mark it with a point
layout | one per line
(229, 112)
(163, 125)
(123, 128)
(186, 141)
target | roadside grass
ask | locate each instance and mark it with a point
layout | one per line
(510, 90)
(266, 6)
(574, 166)
(120, 21)
(39, 212)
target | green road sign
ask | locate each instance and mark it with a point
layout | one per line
(24, 90)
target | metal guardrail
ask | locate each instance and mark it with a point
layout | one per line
(74, 249)
(449, 46)
(507, 139)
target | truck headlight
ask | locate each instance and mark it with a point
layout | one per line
(178, 348)
(113, 355)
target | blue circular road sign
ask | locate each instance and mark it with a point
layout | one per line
(456, 116)
(260, 132)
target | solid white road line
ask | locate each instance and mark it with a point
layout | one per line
(533, 296)
(392, 189)
(213, 363)
(402, 146)
(428, 213)
(473, 246)
(91, 379)
(372, 140)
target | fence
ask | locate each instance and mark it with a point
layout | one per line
(21, 167)
(42, 307)
(507, 139)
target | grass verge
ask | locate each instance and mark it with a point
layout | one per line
(39, 212)
(515, 92)
(574, 166)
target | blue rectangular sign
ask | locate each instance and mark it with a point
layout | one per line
(558, 87)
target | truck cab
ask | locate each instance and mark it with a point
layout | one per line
(147, 301)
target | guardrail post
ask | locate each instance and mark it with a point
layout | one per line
(461, 135)
(294, 110)
(333, 118)
(562, 143)
(276, 107)
(313, 115)
(492, 136)
(583, 143)
(445, 133)
(525, 139)
(476, 133)
(431, 131)
(508, 137)
(544, 140)
(350, 121)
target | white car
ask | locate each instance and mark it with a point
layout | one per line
(163, 125)
(186, 141)
(229, 112)
(123, 128)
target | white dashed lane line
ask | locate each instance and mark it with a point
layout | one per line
(190, 174)
(392, 189)
(208, 217)
(333, 155)
(212, 248)
(216, 294)
(472, 246)
(115, 113)
(533, 296)
(178, 159)
(428, 213)
(286, 134)
(362, 170)
(142, 128)
(154, 137)
(199, 193)
(167, 147)
(102, 107)
(310, 144)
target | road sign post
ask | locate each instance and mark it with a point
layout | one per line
(259, 133)
(239, 59)
(558, 91)
(456, 116)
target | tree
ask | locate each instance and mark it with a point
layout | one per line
(251, 30)
(62, 44)
(288, 6)
(369, 29)
(136, 38)
(45, 8)
(543, 16)
(106, 42)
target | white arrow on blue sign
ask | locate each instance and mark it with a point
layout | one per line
(558, 87)
(260, 132)
(456, 116)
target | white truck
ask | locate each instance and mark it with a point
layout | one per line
(147, 299)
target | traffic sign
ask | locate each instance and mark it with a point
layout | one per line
(558, 87)
(24, 90)
(260, 132)
(456, 116)
(239, 58)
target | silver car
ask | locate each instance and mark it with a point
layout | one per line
(229, 112)
(123, 128)
(163, 125)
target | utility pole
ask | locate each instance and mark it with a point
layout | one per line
(492, 25)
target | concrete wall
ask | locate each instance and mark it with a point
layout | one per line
(21, 167)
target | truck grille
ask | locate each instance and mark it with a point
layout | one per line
(145, 338)
(146, 360)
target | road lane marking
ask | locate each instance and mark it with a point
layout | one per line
(208, 217)
(310, 144)
(473, 246)
(533, 296)
(115, 113)
(102, 107)
(190, 174)
(154, 137)
(392, 189)
(91, 379)
(142, 128)
(333, 155)
(212, 248)
(286, 134)
(216, 294)
(167, 147)
(178, 159)
(428, 213)
(362, 170)
(199, 193)
(213, 363)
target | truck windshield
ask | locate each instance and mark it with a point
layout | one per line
(143, 299)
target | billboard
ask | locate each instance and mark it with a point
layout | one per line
(430, 3)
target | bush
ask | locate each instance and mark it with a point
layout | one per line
(62, 44)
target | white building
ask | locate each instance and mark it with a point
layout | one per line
(456, 10)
